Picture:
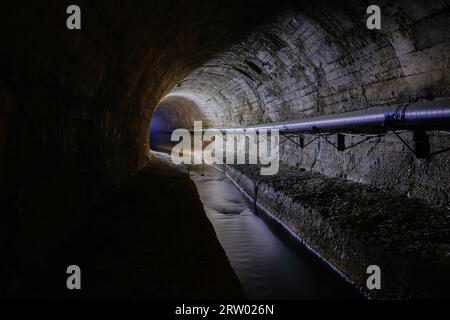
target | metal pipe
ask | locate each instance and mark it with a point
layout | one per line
(426, 115)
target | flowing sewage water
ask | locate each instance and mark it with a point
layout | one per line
(268, 264)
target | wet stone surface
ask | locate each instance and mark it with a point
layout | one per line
(354, 226)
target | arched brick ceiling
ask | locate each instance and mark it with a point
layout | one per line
(321, 60)
(175, 112)
(85, 99)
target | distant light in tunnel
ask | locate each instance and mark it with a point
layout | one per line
(159, 121)
(173, 112)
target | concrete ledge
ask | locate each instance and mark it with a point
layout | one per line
(353, 226)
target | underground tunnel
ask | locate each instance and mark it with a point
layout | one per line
(362, 115)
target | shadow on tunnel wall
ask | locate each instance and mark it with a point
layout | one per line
(75, 110)
(76, 106)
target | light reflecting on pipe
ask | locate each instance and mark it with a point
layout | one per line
(428, 115)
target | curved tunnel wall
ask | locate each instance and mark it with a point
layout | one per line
(313, 61)
(81, 101)
(175, 112)
(172, 113)
(76, 106)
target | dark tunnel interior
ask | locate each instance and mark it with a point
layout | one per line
(173, 112)
(86, 118)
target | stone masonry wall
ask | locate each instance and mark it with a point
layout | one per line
(317, 60)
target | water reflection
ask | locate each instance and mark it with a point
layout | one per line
(268, 267)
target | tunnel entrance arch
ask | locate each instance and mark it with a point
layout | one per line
(174, 112)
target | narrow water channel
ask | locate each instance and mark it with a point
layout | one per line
(268, 265)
